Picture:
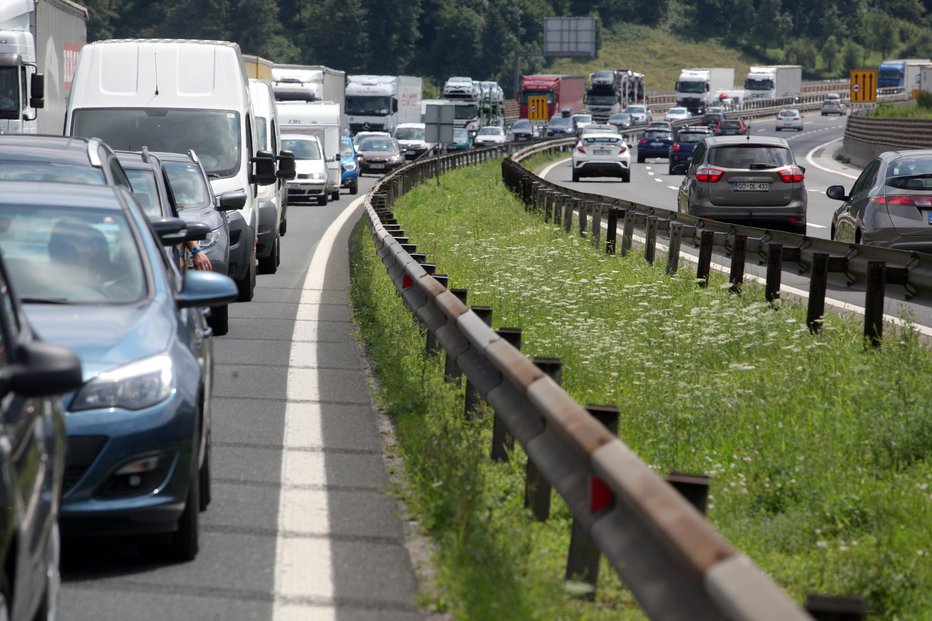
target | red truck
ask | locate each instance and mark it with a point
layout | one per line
(561, 92)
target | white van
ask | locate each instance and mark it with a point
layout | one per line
(175, 95)
(321, 119)
(273, 199)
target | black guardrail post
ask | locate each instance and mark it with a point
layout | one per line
(835, 607)
(706, 241)
(650, 243)
(502, 440)
(673, 251)
(873, 302)
(818, 284)
(567, 203)
(473, 396)
(582, 211)
(536, 487)
(738, 253)
(774, 271)
(627, 233)
(612, 233)
(692, 487)
(596, 211)
(582, 561)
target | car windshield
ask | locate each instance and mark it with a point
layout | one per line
(59, 255)
(146, 190)
(522, 124)
(691, 136)
(302, 148)
(731, 124)
(910, 173)
(620, 117)
(491, 131)
(750, 156)
(187, 184)
(368, 105)
(378, 144)
(600, 140)
(789, 113)
(346, 148)
(409, 133)
(583, 118)
(50, 171)
(213, 134)
(677, 111)
(637, 109)
(561, 121)
(657, 133)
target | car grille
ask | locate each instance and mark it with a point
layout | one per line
(82, 451)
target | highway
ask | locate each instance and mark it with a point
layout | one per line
(315, 537)
(814, 148)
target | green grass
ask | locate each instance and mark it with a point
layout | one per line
(817, 446)
(904, 111)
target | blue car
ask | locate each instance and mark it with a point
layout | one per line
(349, 165)
(654, 143)
(96, 276)
(682, 150)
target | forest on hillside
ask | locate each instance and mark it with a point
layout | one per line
(480, 38)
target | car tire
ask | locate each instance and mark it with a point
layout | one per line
(185, 541)
(626, 178)
(48, 609)
(671, 171)
(640, 159)
(204, 479)
(335, 195)
(247, 284)
(269, 264)
(322, 199)
(575, 175)
(219, 320)
(354, 189)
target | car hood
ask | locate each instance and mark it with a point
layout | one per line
(305, 167)
(379, 155)
(104, 337)
(207, 215)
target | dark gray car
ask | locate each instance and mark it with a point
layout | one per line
(890, 203)
(745, 180)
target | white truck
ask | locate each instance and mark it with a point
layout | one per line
(925, 78)
(382, 102)
(308, 83)
(322, 119)
(696, 87)
(39, 45)
(774, 82)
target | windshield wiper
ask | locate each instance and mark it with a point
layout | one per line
(45, 300)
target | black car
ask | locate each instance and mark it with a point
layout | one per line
(562, 126)
(32, 461)
(522, 130)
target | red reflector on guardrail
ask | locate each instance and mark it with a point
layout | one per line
(406, 282)
(600, 495)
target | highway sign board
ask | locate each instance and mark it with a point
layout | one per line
(537, 108)
(863, 86)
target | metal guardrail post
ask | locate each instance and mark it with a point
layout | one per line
(582, 562)
(502, 440)
(536, 487)
(567, 203)
(818, 284)
(673, 249)
(693, 487)
(596, 224)
(706, 241)
(835, 608)
(582, 210)
(650, 243)
(738, 254)
(873, 302)
(627, 234)
(473, 398)
(612, 234)
(774, 271)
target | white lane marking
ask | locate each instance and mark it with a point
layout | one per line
(658, 179)
(303, 557)
(812, 161)
(546, 170)
(673, 187)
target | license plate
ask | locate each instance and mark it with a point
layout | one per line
(752, 187)
(602, 151)
(656, 144)
(376, 166)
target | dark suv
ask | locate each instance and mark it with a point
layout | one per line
(754, 181)
(60, 159)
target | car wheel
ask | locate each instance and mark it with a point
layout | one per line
(48, 610)
(670, 171)
(640, 159)
(575, 175)
(269, 264)
(831, 232)
(204, 478)
(354, 189)
(184, 544)
(322, 199)
(247, 284)
(778, 129)
(219, 320)
(283, 225)
(335, 195)
(626, 178)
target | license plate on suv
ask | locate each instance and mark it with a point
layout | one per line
(747, 186)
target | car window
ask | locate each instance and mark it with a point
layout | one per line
(409, 133)
(656, 133)
(750, 156)
(302, 149)
(698, 157)
(691, 137)
(601, 140)
(47, 171)
(866, 179)
(146, 190)
(187, 184)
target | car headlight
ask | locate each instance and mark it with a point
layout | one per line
(318, 176)
(134, 386)
(395, 158)
(210, 240)
(349, 166)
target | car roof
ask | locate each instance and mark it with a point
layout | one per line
(71, 195)
(759, 140)
(66, 149)
(602, 134)
(137, 160)
(695, 130)
(300, 136)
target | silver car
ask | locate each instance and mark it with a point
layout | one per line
(754, 181)
(890, 203)
(789, 119)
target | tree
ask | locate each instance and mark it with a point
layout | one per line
(853, 56)
(830, 55)
(884, 32)
(772, 25)
(394, 34)
(327, 25)
(801, 52)
(919, 45)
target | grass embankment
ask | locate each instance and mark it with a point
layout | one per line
(904, 111)
(818, 447)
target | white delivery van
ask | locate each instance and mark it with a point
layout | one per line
(321, 119)
(273, 199)
(175, 95)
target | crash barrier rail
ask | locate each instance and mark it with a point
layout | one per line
(889, 134)
(674, 562)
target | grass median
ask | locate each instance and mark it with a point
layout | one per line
(817, 445)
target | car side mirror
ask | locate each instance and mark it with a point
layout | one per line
(196, 231)
(232, 200)
(286, 166)
(170, 231)
(836, 192)
(37, 91)
(42, 370)
(263, 172)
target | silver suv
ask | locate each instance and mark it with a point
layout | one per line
(745, 180)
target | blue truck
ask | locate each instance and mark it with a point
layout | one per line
(901, 74)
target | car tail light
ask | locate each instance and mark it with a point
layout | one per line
(912, 201)
(676, 147)
(707, 174)
(791, 174)
(581, 149)
(622, 149)
(642, 140)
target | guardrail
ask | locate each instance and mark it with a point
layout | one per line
(670, 557)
